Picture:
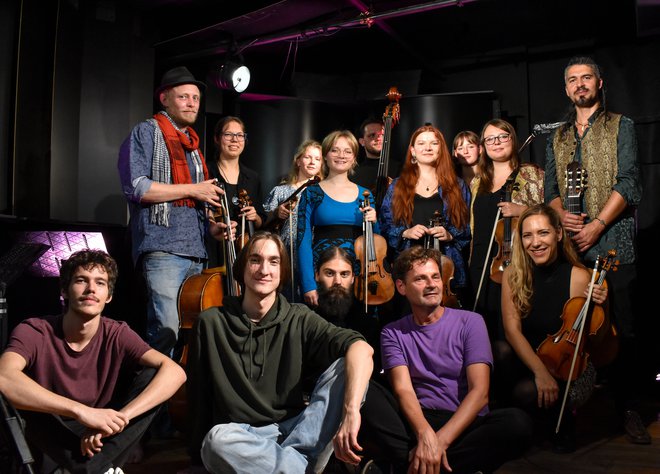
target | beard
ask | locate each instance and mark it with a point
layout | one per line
(334, 304)
(586, 100)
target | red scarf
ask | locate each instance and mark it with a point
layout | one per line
(177, 144)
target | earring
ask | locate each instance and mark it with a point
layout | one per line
(413, 160)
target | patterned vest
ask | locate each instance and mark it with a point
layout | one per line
(599, 159)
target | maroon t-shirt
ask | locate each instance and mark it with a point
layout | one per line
(88, 376)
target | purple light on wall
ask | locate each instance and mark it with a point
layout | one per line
(62, 244)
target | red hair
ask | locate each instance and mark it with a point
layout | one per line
(404, 189)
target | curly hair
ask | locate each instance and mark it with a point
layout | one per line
(88, 259)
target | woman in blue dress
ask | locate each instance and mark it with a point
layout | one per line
(331, 213)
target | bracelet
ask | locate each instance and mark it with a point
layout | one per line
(601, 221)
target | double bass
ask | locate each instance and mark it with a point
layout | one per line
(390, 117)
(374, 285)
(447, 267)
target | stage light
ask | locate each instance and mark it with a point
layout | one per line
(233, 76)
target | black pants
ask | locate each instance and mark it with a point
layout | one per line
(485, 445)
(55, 441)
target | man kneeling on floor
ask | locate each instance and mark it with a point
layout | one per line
(75, 375)
(438, 361)
(247, 366)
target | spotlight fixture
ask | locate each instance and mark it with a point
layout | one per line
(233, 76)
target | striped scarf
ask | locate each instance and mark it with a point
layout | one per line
(169, 164)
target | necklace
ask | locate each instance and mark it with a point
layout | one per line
(583, 126)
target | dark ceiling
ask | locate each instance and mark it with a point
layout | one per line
(337, 37)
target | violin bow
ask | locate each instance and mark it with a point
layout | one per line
(490, 247)
(577, 345)
(293, 283)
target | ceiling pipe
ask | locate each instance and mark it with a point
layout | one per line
(321, 30)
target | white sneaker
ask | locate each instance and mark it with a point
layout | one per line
(114, 470)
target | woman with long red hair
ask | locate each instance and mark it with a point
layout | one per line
(427, 184)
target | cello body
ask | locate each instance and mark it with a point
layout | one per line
(197, 293)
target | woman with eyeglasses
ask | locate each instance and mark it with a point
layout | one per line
(230, 138)
(330, 213)
(499, 164)
(427, 184)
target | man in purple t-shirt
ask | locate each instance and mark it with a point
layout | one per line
(73, 375)
(438, 361)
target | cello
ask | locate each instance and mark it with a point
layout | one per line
(391, 115)
(447, 268)
(375, 285)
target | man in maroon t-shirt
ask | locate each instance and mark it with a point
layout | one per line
(68, 375)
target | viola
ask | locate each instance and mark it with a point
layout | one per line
(391, 116)
(447, 267)
(197, 293)
(375, 285)
(504, 234)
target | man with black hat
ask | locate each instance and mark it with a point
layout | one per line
(165, 180)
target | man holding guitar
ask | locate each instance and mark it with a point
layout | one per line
(604, 146)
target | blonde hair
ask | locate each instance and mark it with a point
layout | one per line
(302, 148)
(330, 140)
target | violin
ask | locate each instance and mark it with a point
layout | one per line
(558, 350)
(243, 202)
(375, 285)
(391, 115)
(447, 267)
(274, 223)
(504, 234)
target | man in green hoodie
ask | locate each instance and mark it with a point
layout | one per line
(248, 363)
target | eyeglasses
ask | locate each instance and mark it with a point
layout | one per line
(238, 136)
(501, 138)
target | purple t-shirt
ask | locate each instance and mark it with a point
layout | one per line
(88, 376)
(437, 355)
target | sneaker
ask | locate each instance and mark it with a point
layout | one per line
(635, 430)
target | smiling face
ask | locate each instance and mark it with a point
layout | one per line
(310, 163)
(230, 146)
(582, 85)
(501, 148)
(422, 284)
(540, 239)
(182, 104)
(88, 292)
(262, 271)
(341, 157)
(426, 148)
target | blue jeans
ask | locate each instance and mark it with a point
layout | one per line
(297, 445)
(164, 274)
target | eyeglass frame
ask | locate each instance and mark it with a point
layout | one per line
(491, 140)
(239, 136)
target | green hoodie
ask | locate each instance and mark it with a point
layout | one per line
(243, 372)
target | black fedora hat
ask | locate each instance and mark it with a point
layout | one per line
(176, 77)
